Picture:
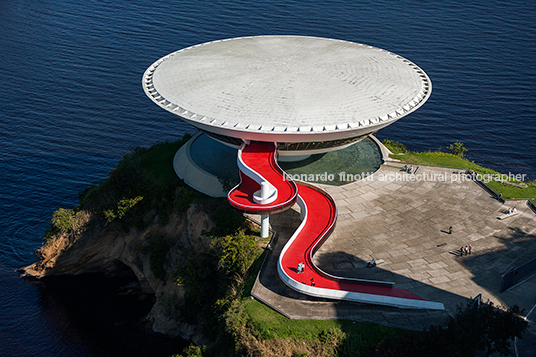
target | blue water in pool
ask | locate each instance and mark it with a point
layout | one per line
(71, 105)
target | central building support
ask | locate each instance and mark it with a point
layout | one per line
(265, 225)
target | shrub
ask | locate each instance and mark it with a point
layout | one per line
(457, 149)
(227, 221)
(394, 146)
(350, 344)
(63, 220)
(123, 207)
(236, 253)
(191, 351)
(470, 331)
(202, 284)
(184, 197)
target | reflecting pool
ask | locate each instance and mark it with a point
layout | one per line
(333, 168)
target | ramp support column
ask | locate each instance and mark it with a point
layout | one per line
(265, 225)
(265, 219)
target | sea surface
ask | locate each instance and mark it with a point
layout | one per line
(71, 104)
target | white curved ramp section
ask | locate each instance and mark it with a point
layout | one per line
(357, 297)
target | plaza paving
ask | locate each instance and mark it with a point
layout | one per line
(404, 220)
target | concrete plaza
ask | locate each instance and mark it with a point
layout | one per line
(404, 219)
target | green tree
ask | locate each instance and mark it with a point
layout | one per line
(202, 284)
(191, 351)
(457, 149)
(236, 253)
(63, 220)
(485, 328)
(227, 221)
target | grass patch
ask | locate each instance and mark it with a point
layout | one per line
(513, 192)
(439, 158)
(358, 337)
(394, 146)
(268, 324)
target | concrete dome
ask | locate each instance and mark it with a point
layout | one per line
(287, 89)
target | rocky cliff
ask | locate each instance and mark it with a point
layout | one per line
(113, 251)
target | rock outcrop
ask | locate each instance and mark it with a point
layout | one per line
(114, 252)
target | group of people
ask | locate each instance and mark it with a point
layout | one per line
(301, 269)
(409, 169)
(466, 250)
(474, 175)
(512, 210)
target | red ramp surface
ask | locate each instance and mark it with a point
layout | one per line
(257, 163)
(319, 213)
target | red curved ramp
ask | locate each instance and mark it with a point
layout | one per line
(318, 222)
(257, 163)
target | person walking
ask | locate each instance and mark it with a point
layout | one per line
(470, 249)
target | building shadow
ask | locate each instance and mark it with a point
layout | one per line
(484, 266)
(270, 290)
(517, 248)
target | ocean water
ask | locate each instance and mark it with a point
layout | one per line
(71, 104)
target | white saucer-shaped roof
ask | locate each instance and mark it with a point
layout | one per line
(287, 88)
